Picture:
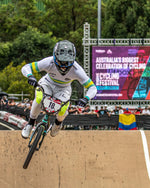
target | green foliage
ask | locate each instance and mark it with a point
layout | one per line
(4, 54)
(126, 19)
(16, 17)
(69, 15)
(12, 80)
(9, 75)
(66, 18)
(28, 34)
(31, 45)
(77, 90)
(141, 27)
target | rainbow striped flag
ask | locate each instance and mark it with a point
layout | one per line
(127, 122)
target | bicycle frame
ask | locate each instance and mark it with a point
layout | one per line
(45, 122)
(46, 129)
(42, 128)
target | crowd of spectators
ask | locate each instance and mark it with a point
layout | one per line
(104, 110)
(23, 109)
(76, 110)
(19, 108)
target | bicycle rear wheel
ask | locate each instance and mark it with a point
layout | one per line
(33, 147)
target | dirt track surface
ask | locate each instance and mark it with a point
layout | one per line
(75, 159)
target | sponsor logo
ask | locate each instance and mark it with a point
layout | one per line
(100, 51)
(67, 79)
(109, 51)
(47, 80)
(132, 51)
(52, 74)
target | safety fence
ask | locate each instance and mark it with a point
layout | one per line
(91, 121)
(77, 122)
(12, 119)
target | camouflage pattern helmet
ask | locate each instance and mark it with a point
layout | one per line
(64, 56)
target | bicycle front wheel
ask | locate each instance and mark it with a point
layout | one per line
(33, 147)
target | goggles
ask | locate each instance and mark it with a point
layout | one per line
(64, 63)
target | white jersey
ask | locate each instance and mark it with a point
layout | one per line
(54, 77)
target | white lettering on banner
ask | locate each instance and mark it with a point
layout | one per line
(108, 83)
(133, 66)
(130, 59)
(108, 66)
(109, 94)
(142, 66)
(125, 65)
(100, 51)
(119, 63)
(107, 79)
(108, 60)
(117, 59)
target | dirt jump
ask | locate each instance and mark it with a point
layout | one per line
(76, 159)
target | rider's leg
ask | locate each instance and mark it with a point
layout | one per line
(35, 109)
(59, 119)
(62, 94)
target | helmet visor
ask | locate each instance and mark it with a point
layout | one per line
(64, 64)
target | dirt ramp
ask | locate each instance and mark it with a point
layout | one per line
(75, 159)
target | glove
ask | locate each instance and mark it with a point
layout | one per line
(32, 81)
(82, 102)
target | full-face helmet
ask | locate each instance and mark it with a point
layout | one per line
(64, 54)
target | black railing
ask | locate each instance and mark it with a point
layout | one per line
(88, 121)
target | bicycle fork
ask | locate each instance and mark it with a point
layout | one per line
(44, 125)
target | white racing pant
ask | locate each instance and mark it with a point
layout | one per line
(60, 92)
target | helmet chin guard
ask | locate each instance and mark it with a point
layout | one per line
(64, 56)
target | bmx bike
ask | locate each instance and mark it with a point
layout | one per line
(51, 106)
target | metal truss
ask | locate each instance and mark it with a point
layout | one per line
(87, 42)
(120, 102)
(116, 42)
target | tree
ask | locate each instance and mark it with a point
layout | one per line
(16, 17)
(123, 19)
(12, 80)
(31, 45)
(66, 18)
(4, 54)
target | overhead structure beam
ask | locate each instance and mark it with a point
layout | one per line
(87, 42)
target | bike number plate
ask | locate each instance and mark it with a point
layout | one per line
(51, 105)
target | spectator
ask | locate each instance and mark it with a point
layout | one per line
(127, 111)
(73, 109)
(112, 112)
(138, 111)
(86, 109)
(120, 110)
(146, 111)
(4, 100)
(80, 109)
(106, 110)
(116, 110)
(28, 104)
(92, 111)
(102, 112)
(11, 102)
(19, 104)
(96, 109)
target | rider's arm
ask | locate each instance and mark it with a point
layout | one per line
(91, 89)
(86, 82)
(34, 67)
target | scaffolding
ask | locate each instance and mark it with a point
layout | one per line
(88, 42)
